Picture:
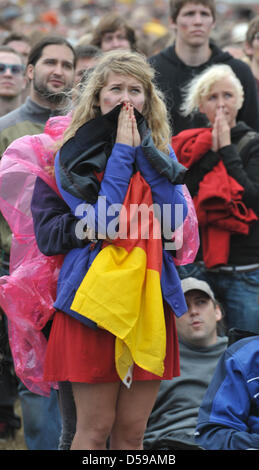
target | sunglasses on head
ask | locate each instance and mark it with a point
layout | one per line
(14, 68)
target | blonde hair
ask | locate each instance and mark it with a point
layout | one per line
(125, 63)
(200, 86)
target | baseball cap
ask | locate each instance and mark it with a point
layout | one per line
(191, 283)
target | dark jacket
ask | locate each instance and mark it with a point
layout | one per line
(172, 74)
(54, 223)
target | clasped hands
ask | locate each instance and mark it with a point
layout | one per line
(220, 131)
(127, 130)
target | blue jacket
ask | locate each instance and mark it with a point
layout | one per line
(229, 414)
(113, 187)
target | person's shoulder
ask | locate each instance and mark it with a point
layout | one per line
(245, 348)
(10, 119)
(222, 341)
(240, 65)
(164, 55)
(224, 57)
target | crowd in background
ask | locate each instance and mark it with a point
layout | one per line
(76, 20)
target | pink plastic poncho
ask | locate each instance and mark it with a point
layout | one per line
(28, 293)
(187, 235)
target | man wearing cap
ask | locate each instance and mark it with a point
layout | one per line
(173, 420)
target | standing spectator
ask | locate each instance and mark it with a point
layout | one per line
(113, 396)
(173, 420)
(50, 70)
(51, 73)
(251, 47)
(12, 80)
(113, 32)
(86, 58)
(12, 83)
(223, 179)
(191, 53)
(20, 43)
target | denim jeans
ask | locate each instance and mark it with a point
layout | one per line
(68, 415)
(8, 381)
(238, 292)
(41, 419)
(41, 415)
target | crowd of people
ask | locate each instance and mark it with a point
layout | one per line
(113, 335)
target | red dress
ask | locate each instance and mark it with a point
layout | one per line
(77, 353)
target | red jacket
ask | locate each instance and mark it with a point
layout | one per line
(219, 206)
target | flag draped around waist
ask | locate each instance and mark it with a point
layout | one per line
(121, 291)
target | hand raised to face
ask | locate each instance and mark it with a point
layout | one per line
(127, 131)
(221, 135)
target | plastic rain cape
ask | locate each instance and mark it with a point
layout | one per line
(28, 293)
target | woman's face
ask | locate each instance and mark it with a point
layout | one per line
(222, 95)
(119, 89)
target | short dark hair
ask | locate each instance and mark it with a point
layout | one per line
(10, 50)
(16, 37)
(111, 23)
(37, 49)
(87, 50)
(176, 5)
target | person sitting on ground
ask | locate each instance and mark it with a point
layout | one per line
(173, 419)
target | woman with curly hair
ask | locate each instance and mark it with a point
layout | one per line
(113, 334)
